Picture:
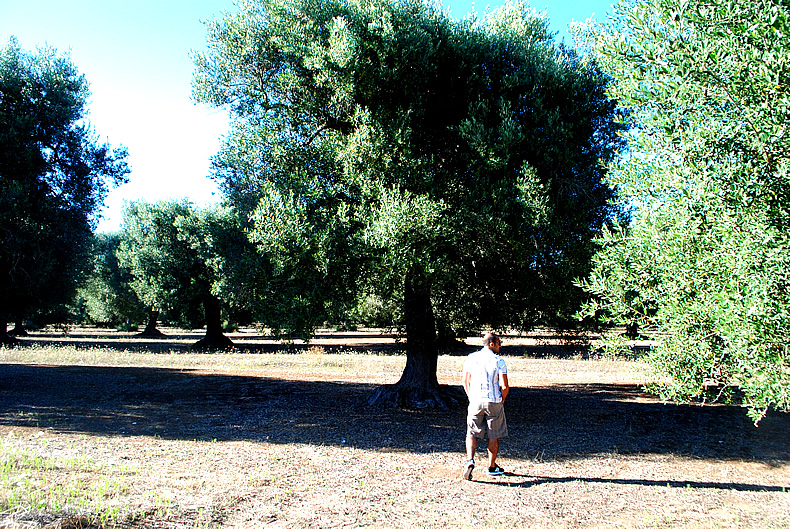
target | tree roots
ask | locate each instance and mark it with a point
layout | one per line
(410, 396)
(213, 342)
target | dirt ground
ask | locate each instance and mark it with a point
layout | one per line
(272, 438)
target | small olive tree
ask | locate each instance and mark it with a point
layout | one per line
(158, 263)
(181, 259)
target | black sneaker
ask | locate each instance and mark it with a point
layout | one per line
(470, 466)
(496, 470)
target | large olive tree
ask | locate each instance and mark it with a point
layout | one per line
(54, 176)
(383, 146)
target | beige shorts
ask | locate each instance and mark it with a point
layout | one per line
(486, 420)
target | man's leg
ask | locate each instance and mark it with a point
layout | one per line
(497, 428)
(471, 446)
(493, 450)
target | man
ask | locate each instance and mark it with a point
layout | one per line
(486, 385)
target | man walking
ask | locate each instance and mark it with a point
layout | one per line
(486, 385)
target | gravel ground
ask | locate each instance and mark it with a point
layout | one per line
(178, 440)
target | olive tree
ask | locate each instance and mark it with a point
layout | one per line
(381, 146)
(220, 254)
(706, 260)
(158, 262)
(54, 176)
(181, 259)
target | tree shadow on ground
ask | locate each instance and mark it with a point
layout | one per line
(535, 481)
(554, 423)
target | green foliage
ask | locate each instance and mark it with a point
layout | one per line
(54, 175)
(706, 260)
(160, 264)
(374, 141)
(224, 259)
(375, 311)
(303, 257)
(106, 293)
(182, 259)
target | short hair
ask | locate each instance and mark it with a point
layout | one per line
(490, 338)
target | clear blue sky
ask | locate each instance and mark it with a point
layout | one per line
(135, 55)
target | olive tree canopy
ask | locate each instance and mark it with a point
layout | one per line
(381, 146)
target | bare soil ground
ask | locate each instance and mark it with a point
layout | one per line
(276, 437)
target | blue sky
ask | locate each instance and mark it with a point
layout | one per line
(135, 55)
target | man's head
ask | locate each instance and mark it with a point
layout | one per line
(492, 341)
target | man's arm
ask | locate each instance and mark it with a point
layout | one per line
(503, 385)
(466, 380)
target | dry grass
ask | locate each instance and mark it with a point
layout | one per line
(128, 438)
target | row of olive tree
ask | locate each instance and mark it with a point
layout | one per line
(169, 259)
(380, 150)
(378, 146)
(54, 176)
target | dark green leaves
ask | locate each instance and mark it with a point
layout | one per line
(54, 175)
(376, 138)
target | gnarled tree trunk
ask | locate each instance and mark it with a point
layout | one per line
(19, 328)
(418, 386)
(150, 330)
(215, 339)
